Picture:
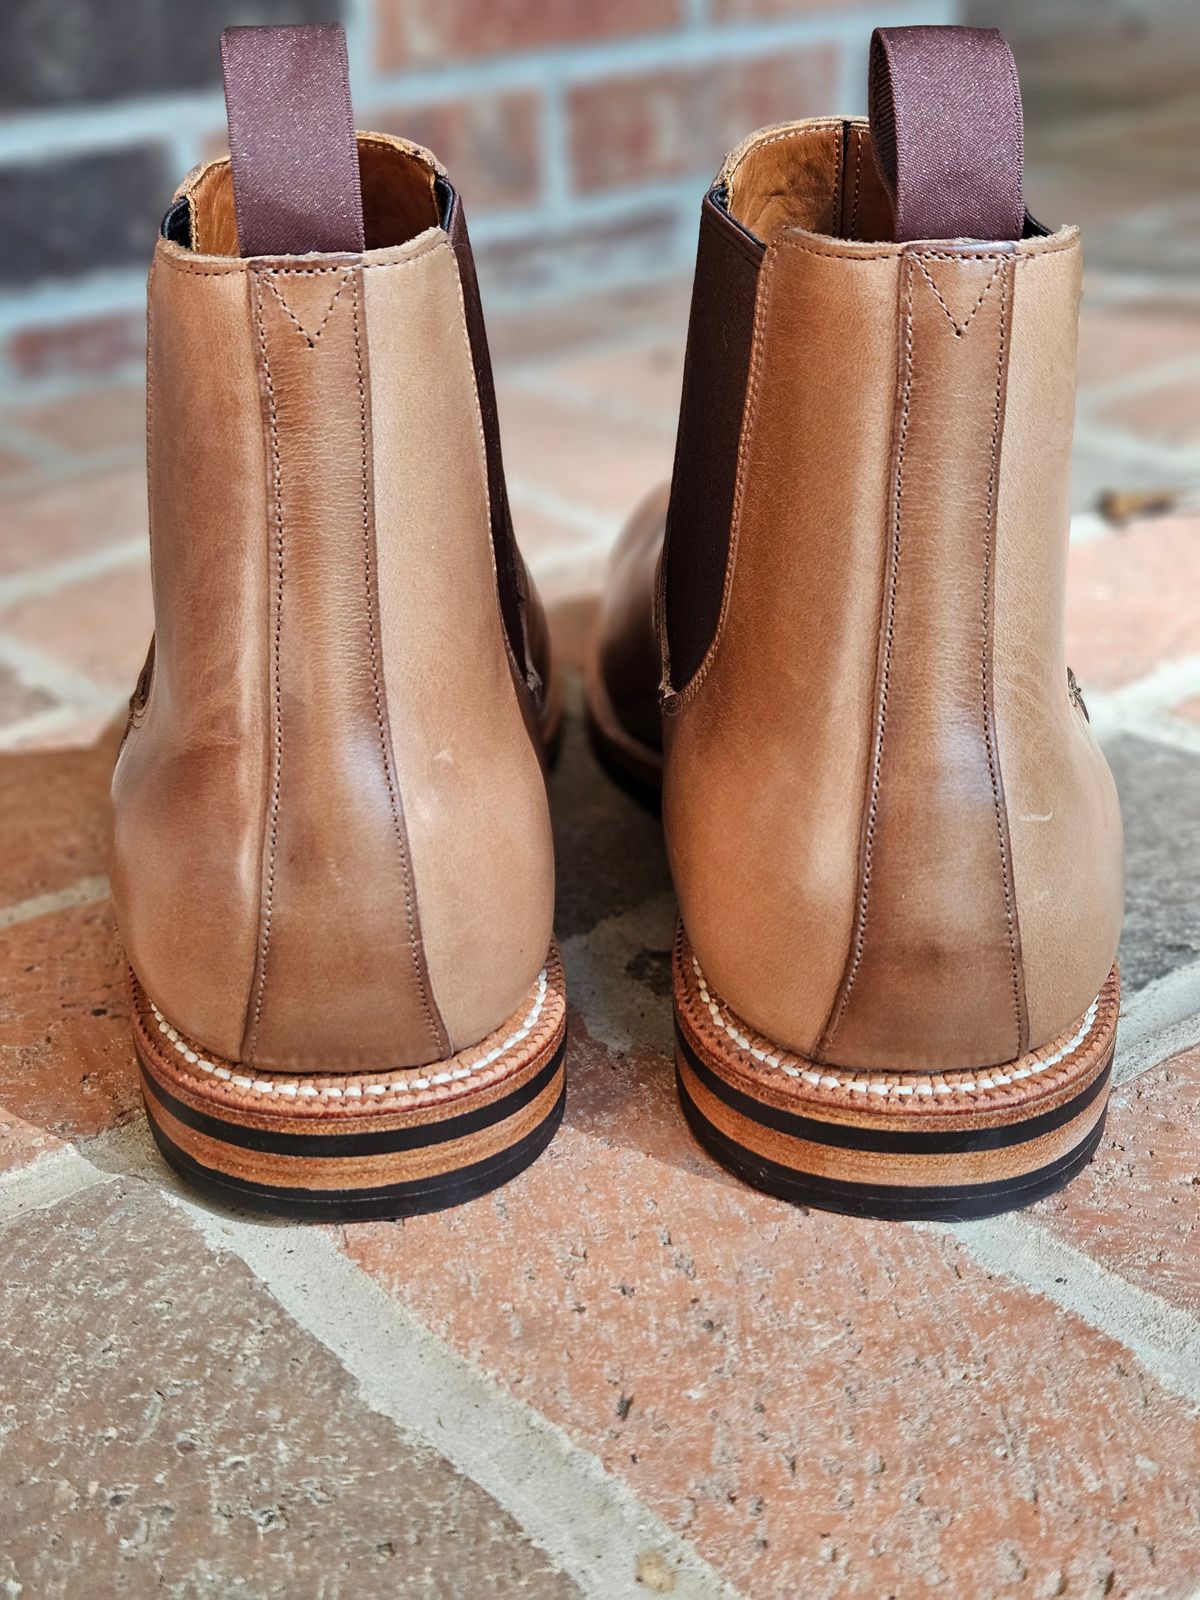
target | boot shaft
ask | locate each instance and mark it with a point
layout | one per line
(862, 613)
(329, 788)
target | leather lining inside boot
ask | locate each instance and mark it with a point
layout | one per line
(403, 194)
(819, 176)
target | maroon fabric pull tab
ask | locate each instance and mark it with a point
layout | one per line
(945, 107)
(296, 185)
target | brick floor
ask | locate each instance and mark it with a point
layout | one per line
(187, 1432)
(1136, 1208)
(625, 1373)
(71, 515)
(1133, 602)
(824, 1407)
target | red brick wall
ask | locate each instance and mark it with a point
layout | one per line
(579, 131)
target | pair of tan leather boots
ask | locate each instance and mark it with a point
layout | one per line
(838, 644)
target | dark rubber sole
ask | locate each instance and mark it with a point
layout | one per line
(945, 1146)
(365, 1205)
(334, 1146)
(933, 1203)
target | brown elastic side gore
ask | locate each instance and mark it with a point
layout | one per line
(510, 572)
(291, 140)
(700, 517)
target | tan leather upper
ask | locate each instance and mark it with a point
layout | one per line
(332, 844)
(895, 842)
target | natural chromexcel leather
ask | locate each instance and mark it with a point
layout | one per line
(895, 842)
(332, 846)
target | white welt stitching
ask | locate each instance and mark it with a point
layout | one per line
(308, 1091)
(868, 1085)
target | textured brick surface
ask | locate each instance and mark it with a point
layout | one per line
(741, 10)
(21, 1143)
(1116, 344)
(1137, 1208)
(541, 262)
(80, 347)
(187, 1439)
(667, 124)
(65, 50)
(112, 199)
(645, 381)
(610, 853)
(433, 31)
(120, 620)
(601, 464)
(53, 819)
(66, 1061)
(12, 462)
(1133, 601)
(1160, 803)
(490, 144)
(60, 520)
(826, 1407)
(111, 418)
(18, 699)
(1168, 411)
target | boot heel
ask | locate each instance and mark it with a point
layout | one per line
(337, 1147)
(947, 1146)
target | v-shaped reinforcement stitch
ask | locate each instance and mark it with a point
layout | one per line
(960, 328)
(310, 338)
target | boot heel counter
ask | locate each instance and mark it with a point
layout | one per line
(469, 764)
(1064, 815)
(407, 801)
(934, 975)
(991, 811)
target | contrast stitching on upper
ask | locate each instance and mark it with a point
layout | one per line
(899, 252)
(398, 1085)
(885, 668)
(873, 1083)
(436, 1029)
(1019, 258)
(248, 265)
(806, 130)
(277, 520)
(961, 328)
(764, 289)
(837, 199)
(989, 738)
(858, 149)
(311, 338)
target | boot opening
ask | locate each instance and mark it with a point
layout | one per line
(403, 191)
(818, 176)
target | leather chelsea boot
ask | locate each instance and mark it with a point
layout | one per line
(895, 842)
(332, 863)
